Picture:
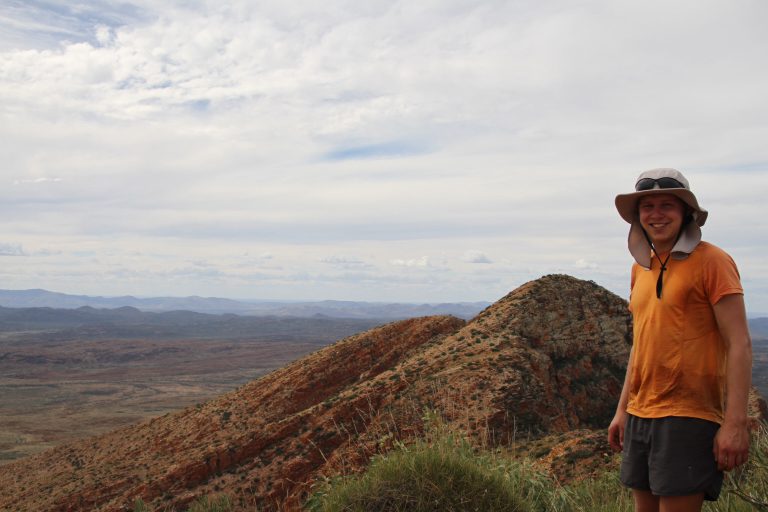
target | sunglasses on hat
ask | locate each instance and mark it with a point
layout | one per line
(650, 183)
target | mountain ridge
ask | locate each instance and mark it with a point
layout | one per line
(34, 298)
(87, 322)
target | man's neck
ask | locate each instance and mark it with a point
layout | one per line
(663, 249)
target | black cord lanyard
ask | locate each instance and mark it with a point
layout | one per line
(659, 281)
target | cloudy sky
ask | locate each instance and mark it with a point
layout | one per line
(418, 150)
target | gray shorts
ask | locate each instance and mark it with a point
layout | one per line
(671, 456)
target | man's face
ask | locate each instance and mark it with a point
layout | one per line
(661, 215)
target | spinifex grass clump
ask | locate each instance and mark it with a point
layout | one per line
(442, 472)
(203, 504)
(208, 504)
(603, 493)
(423, 478)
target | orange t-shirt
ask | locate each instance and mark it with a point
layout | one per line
(679, 356)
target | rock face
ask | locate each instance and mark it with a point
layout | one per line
(547, 358)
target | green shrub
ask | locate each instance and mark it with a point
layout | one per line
(204, 504)
(602, 494)
(428, 484)
(444, 474)
(207, 504)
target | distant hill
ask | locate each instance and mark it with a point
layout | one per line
(212, 305)
(758, 327)
(127, 322)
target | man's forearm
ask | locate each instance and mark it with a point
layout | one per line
(738, 380)
(624, 397)
(732, 322)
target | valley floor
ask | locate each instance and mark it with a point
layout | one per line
(53, 392)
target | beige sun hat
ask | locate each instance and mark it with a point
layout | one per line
(627, 203)
(661, 181)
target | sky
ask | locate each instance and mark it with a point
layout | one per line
(408, 151)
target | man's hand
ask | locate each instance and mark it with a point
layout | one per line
(616, 431)
(731, 446)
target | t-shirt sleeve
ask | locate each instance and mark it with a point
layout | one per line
(721, 277)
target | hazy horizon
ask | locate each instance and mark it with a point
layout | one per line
(240, 299)
(751, 314)
(414, 152)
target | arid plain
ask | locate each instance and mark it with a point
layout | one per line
(64, 383)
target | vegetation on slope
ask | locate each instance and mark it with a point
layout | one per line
(443, 470)
(445, 473)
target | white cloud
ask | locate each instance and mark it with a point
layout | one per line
(417, 262)
(476, 257)
(346, 262)
(367, 131)
(11, 250)
(37, 180)
(584, 264)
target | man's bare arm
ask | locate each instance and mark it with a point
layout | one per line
(616, 428)
(731, 446)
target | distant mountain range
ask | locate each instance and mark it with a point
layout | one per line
(329, 308)
(56, 324)
(758, 327)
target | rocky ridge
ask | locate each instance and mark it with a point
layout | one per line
(548, 358)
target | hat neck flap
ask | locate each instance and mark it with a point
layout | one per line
(641, 250)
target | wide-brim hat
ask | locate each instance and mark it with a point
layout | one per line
(626, 204)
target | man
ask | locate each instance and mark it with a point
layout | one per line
(682, 415)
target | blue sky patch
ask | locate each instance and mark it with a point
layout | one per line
(40, 24)
(383, 150)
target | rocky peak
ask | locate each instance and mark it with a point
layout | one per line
(551, 355)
